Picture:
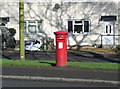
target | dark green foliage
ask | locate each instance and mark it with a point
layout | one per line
(12, 31)
(117, 48)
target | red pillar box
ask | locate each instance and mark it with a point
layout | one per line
(61, 48)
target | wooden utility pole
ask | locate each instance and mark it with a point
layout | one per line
(21, 30)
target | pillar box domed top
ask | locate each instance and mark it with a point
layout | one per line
(60, 33)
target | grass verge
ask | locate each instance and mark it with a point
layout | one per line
(45, 63)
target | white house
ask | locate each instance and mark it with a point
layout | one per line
(88, 22)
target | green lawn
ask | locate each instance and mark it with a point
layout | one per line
(45, 63)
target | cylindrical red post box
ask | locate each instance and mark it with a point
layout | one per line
(61, 48)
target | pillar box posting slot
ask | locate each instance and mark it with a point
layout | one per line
(61, 48)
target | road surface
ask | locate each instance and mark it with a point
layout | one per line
(30, 83)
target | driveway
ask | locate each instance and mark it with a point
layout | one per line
(73, 56)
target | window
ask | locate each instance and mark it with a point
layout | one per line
(4, 21)
(108, 29)
(78, 26)
(33, 27)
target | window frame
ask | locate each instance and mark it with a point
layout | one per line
(35, 23)
(82, 24)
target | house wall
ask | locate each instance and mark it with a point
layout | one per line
(11, 10)
(92, 11)
(39, 11)
(119, 22)
(57, 20)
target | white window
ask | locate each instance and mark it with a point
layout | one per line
(33, 27)
(79, 26)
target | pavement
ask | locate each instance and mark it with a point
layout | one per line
(53, 73)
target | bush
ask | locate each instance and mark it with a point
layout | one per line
(117, 48)
(12, 31)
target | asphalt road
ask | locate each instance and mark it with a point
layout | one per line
(26, 83)
(66, 72)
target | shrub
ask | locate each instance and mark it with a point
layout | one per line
(12, 31)
(117, 48)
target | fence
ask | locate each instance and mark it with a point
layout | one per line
(114, 40)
